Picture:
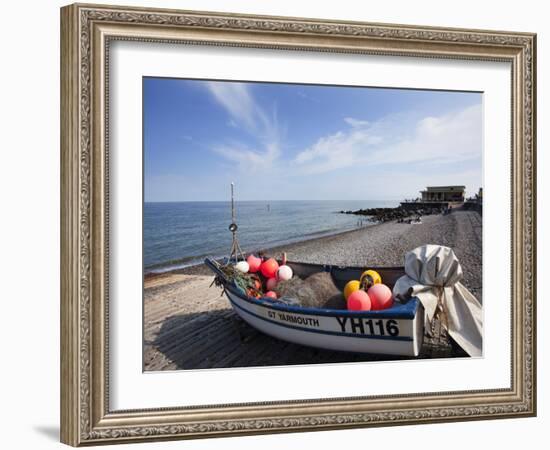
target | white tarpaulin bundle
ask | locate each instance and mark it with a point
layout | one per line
(433, 274)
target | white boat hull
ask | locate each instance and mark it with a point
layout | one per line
(397, 331)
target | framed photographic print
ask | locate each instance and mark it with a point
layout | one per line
(279, 224)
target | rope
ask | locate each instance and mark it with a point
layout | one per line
(440, 315)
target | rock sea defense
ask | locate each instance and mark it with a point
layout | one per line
(359, 300)
(269, 268)
(381, 296)
(242, 266)
(254, 263)
(369, 278)
(351, 286)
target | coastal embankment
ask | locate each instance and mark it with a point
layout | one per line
(189, 325)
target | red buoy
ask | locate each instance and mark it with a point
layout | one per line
(269, 268)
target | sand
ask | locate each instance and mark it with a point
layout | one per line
(188, 325)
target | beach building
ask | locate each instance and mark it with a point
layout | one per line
(443, 194)
(437, 197)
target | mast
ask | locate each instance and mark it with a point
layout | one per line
(236, 251)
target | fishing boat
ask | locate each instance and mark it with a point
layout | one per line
(398, 330)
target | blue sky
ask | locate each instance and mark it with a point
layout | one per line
(305, 142)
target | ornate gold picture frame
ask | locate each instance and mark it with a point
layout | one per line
(87, 31)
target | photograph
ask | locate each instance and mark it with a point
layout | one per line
(294, 224)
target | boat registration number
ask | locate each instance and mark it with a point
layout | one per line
(372, 327)
(344, 324)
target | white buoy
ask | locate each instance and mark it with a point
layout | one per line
(284, 273)
(242, 266)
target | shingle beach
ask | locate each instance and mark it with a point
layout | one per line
(188, 325)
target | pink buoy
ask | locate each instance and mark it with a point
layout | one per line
(380, 296)
(254, 263)
(269, 268)
(359, 301)
(270, 284)
(270, 294)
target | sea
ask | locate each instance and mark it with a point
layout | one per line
(182, 234)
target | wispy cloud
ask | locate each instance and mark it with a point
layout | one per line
(247, 114)
(336, 151)
(355, 122)
(397, 139)
(249, 160)
(235, 98)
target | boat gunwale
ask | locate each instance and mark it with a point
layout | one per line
(342, 267)
(407, 311)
